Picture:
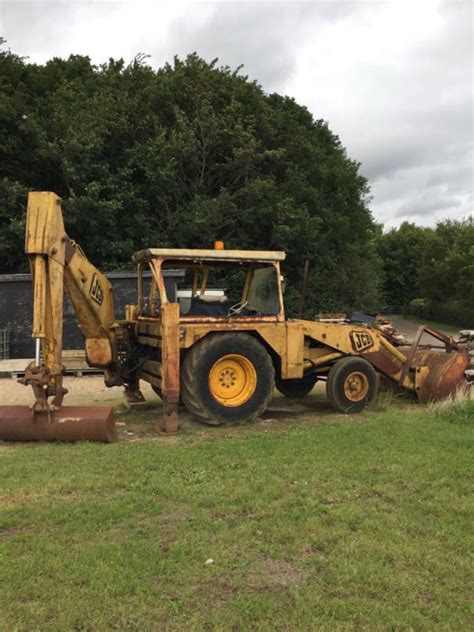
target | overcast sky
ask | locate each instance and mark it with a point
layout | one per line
(394, 79)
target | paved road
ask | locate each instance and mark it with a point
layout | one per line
(409, 327)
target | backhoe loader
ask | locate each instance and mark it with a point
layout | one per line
(220, 352)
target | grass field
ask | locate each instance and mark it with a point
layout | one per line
(323, 522)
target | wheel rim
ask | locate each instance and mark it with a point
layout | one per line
(356, 386)
(232, 380)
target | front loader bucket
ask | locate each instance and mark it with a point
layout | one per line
(439, 374)
(70, 423)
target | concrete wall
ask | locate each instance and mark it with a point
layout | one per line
(16, 308)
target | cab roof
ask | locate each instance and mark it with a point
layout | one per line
(184, 254)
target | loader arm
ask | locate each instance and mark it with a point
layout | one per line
(58, 263)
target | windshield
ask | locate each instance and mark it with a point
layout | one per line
(217, 289)
(263, 294)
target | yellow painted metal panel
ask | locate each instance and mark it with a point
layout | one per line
(293, 360)
(211, 255)
(170, 351)
(45, 234)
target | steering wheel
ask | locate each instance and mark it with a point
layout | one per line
(234, 310)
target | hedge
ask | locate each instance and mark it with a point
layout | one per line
(458, 313)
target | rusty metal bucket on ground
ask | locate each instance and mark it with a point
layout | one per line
(438, 374)
(441, 374)
(70, 423)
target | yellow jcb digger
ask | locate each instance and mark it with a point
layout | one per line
(219, 346)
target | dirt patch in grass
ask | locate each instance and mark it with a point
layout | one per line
(373, 493)
(268, 576)
(277, 573)
(178, 515)
(10, 500)
(69, 497)
(150, 434)
(12, 531)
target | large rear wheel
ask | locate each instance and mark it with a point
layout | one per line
(351, 384)
(227, 378)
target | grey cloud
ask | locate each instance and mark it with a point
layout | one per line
(426, 193)
(43, 23)
(408, 120)
(263, 37)
(417, 135)
(427, 203)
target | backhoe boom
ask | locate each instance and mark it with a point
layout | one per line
(58, 263)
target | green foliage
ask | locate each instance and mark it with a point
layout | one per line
(458, 313)
(436, 264)
(180, 157)
(447, 272)
(401, 250)
(420, 307)
(12, 225)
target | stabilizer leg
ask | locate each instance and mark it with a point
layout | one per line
(170, 366)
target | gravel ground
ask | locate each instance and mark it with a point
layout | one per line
(82, 390)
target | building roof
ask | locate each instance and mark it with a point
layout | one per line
(122, 274)
(183, 254)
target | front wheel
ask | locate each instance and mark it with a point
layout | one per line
(227, 378)
(351, 384)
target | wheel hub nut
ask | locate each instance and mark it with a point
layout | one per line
(227, 378)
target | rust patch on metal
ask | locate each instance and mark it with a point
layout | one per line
(98, 351)
(445, 373)
(44, 386)
(169, 422)
(437, 374)
(230, 321)
(383, 361)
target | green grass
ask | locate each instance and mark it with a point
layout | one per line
(331, 523)
(458, 410)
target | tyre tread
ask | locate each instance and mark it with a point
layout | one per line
(333, 378)
(189, 386)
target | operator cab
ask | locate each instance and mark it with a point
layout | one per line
(211, 284)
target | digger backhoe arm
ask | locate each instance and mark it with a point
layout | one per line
(57, 262)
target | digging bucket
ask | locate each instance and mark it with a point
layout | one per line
(441, 374)
(70, 423)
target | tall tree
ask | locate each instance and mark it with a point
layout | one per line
(447, 270)
(179, 157)
(401, 250)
